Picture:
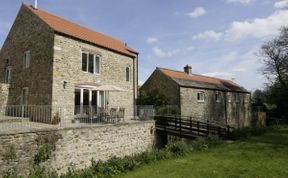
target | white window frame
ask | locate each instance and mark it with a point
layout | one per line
(8, 75)
(26, 59)
(203, 94)
(94, 63)
(24, 99)
(129, 72)
(217, 97)
(95, 57)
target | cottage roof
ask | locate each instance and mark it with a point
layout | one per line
(69, 28)
(201, 81)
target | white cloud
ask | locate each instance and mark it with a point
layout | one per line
(208, 35)
(162, 53)
(257, 28)
(152, 40)
(281, 4)
(199, 11)
(245, 2)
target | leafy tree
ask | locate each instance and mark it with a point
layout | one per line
(275, 57)
(152, 98)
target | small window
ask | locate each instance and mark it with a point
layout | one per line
(128, 74)
(217, 97)
(24, 96)
(7, 78)
(84, 62)
(97, 65)
(90, 63)
(200, 96)
(26, 60)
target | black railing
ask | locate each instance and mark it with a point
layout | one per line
(187, 127)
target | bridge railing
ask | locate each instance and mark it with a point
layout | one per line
(187, 127)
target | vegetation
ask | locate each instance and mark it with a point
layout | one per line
(257, 156)
(274, 96)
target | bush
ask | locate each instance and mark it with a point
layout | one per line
(178, 148)
(43, 154)
(248, 132)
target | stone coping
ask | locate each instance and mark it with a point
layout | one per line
(57, 128)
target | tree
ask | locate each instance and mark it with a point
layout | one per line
(275, 57)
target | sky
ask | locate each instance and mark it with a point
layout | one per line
(219, 38)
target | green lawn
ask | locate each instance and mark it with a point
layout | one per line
(263, 156)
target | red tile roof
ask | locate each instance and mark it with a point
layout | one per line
(69, 28)
(202, 79)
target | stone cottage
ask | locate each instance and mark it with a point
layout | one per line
(202, 97)
(48, 60)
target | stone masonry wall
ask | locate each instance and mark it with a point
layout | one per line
(28, 33)
(164, 85)
(76, 147)
(207, 110)
(4, 91)
(238, 106)
(67, 67)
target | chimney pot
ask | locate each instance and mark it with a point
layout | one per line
(188, 69)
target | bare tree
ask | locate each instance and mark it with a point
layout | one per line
(275, 58)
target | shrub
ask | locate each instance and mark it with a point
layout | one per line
(178, 148)
(248, 132)
(200, 144)
(56, 118)
(43, 154)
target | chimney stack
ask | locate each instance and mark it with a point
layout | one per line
(35, 4)
(188, 69)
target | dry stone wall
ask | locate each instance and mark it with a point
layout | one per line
(76, 147)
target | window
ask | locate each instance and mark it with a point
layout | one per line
(128, 74)
(90, 63)
(26, 60)
(217, 97)
(24, 96)
(200, 96)
(7, 78)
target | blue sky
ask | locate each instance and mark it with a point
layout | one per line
(216, 37)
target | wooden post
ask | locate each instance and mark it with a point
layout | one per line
(198, 128)
(208, 128)
(228, 131)
(191, 125)
(180, 124)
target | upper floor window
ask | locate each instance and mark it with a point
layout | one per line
(200, 96)
(217, 97)
(90, 63)
(26, 59)
(7, 78)
(128, 74)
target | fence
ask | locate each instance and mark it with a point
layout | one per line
(27, 118)
(187, 127)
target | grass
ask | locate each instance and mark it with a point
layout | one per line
(261, 156)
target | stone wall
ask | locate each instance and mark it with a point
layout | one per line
(210, 109)
(164, 85)
(233, 108)
(67, 67)
(4, 91)
(76, 147)
(28, 33)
